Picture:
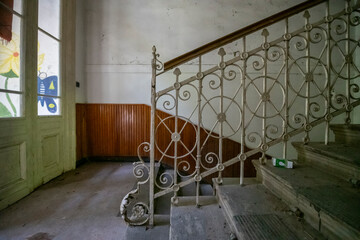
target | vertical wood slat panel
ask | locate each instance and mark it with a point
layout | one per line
(112, 130)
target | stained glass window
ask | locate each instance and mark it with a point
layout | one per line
(49, 81)
(10, 54)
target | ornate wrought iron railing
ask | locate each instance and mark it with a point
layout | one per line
(283, 79)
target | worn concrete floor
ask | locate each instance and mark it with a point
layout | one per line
(81, 204)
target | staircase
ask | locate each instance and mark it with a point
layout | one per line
(314, 200)
(277, 87)
(319, 190)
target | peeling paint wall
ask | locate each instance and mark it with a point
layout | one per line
(119, 35)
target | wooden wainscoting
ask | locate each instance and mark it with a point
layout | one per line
(111, 129)
(115, 130)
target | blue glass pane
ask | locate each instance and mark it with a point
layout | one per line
(48, 86)
(48, 106)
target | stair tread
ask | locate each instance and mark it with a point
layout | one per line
(338, 151)
(329, 194)
(190, 222)
(353, 127)
(256, 213)
(160, 231)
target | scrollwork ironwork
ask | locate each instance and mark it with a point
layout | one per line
(261, 97)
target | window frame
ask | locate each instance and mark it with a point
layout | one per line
(21, 92)
(60, 80)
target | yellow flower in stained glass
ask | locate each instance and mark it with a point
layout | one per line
(10, 57)
(40, 58)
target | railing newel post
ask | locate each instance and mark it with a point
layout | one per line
(152, 136)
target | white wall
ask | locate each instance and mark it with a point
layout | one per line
(80, 51)
(119, 35)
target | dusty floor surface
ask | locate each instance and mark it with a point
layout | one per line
(81, 204)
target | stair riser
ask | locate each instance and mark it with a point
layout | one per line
(349, 136)
(329, 227)
(287, 195)
(328, 164)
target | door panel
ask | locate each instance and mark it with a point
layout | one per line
(51, 141)
(15, 181)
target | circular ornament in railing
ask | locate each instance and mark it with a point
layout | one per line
(199, 75)
(349, 107)
(309, 77)
(139, 211)
(355, 20)
(220, 167)
(221, 117)
(215, 117)
(222, 65)
(141, 171)
(265, 46)
(285, 137)
(198, 178)
(308, 27)
(328, 117)
(354, 88)
(139, 214)
(244, 55)
(165, 180)
(175, 137)
(349, 59)
(264, 147)
(265, 97)
(307, 127)
(176, 187)
(242, 156)
(287, 36)
(316, 77)
(329, 19)
(340, 99)
(166, 128)
(177, 86)
(348, 10)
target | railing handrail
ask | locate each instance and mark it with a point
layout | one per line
(240, 33)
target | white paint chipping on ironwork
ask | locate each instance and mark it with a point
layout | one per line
(299, 78)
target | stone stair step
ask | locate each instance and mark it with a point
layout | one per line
(329, 204)
(347, 134)
(206, 189)
(192, 223)
(188, 190)
(253, 212)
(159, 232)
(338, 159)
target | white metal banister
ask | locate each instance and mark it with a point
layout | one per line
(264, 96)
